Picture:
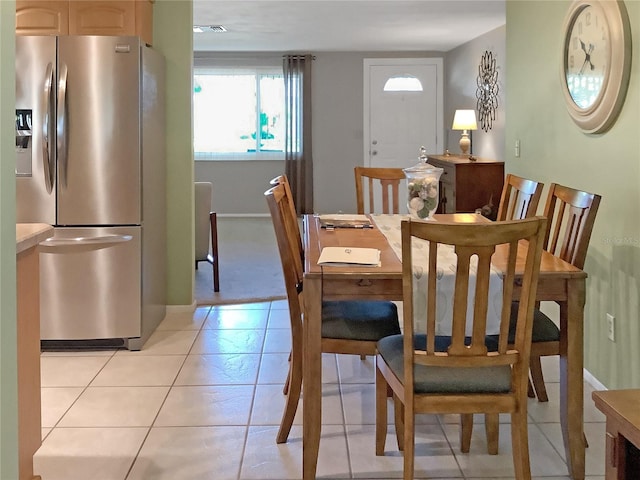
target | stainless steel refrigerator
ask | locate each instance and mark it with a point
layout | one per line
(90, 123)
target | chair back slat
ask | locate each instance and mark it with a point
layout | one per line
(520, 198)
(283, 180)
(474, 246)
(285, 228)
(508, 282)
(571, 215)
(460, 300)
(481, 307)
(391, 188)
(386, 181)
(371, 197)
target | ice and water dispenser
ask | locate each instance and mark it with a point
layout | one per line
(23, 142)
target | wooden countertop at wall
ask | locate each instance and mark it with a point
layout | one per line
(28, 236)
(31, 234)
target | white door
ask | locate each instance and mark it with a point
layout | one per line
(398, 123)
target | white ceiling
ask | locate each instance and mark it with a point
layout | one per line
(336, 25)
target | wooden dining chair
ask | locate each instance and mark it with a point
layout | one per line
(571, 215)
(284, 181)
(459, 373)
(387, 180)
(520, 198)
(349, 327)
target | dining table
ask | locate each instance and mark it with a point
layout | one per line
(558, 281)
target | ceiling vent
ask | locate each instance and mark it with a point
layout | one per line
(208, 29)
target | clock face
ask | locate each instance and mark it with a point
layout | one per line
(596, 62)
(587, 56)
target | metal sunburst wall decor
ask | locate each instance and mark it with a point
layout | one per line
(487, 92)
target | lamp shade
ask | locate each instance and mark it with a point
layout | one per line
(464, 120)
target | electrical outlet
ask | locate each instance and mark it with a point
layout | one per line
(611, 327)
(517, 148)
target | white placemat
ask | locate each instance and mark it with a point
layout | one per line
(389, 225)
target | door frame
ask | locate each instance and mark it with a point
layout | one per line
(422, 61)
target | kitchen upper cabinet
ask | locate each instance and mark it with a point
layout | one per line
(42, 17)
(85, 17)
(111, 17)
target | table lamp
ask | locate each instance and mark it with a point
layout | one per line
(465, 120)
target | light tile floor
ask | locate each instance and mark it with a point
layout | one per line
(203, 400)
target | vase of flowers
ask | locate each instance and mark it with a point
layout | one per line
(423, 182)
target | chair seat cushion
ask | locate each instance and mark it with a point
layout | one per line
(359, 320)
(444, 379)
(544, 329)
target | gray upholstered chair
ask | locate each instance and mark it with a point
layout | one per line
(206, 230)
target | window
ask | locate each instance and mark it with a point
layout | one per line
(238, 113)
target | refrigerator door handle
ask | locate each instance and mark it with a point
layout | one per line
(62, 129)
(81, 244)
(47, 104)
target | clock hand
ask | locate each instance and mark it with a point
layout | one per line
(584, 65)
(587, 55)
(591, 47)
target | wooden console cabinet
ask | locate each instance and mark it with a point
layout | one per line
(621, 407)
(85, 17)
(466, 185)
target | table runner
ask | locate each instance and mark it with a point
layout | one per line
(389, 225)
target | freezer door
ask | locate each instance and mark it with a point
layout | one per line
(98, 123)
(90, 284)
(35, 95)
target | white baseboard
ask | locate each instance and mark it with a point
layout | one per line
(182, 308)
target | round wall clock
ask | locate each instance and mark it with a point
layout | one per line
(596, 62)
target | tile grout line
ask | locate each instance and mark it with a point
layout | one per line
(155, 418)
(253, 397)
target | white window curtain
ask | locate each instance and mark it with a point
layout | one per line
(298, 158)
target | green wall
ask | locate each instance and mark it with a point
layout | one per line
(8, 341)
(173, 36)
(553, 149)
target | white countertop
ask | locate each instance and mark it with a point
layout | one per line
(31, 234)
